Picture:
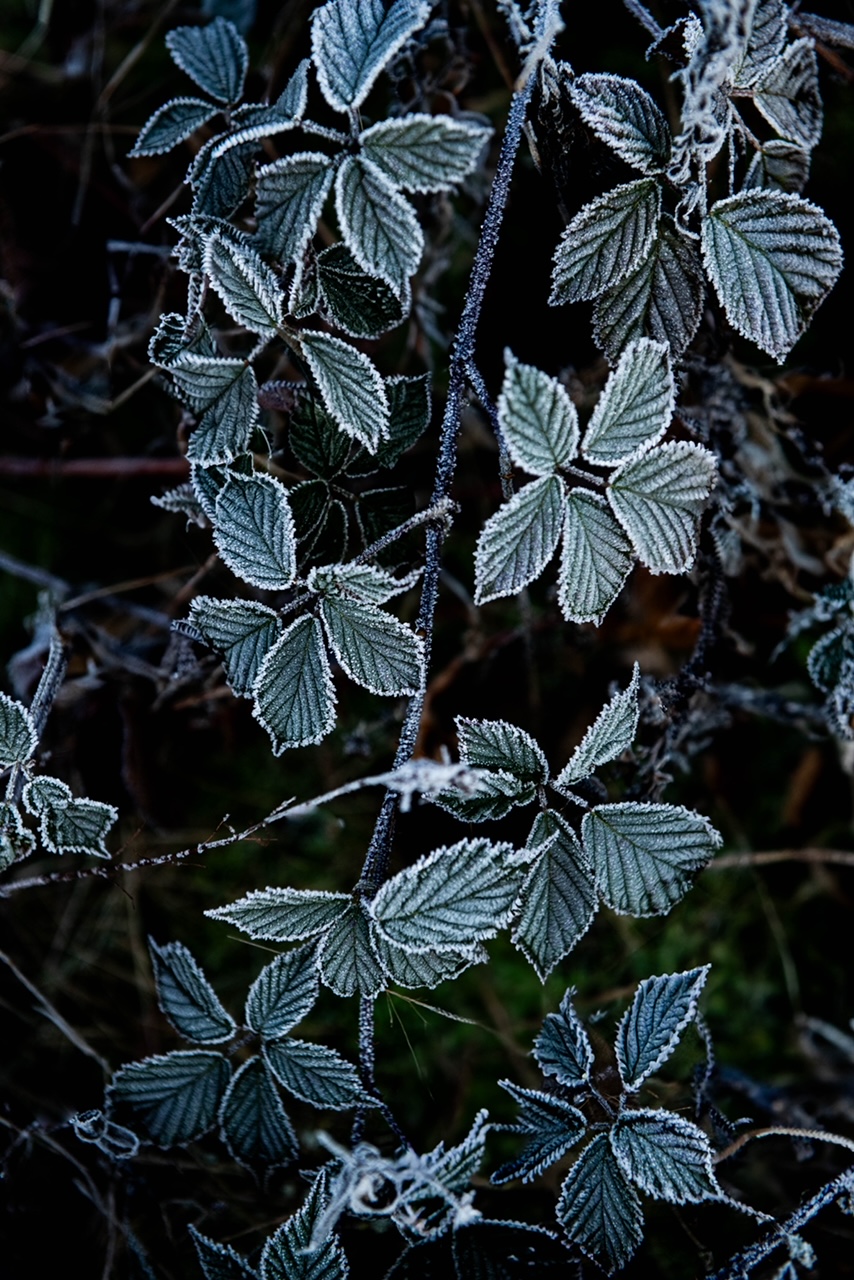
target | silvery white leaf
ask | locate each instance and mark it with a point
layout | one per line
(779, 166)
(449, 899)
(413, 969)
(242, 631)
(420, 152)
(376, 650)
(294, 694)
(224, 395)
(552, 1127)
(539, 421)
(16, 841)
(220, 1261)
(667, 1156)
(651, 1027)
(290, 196)
(517, 542)
(171, 124)
(644, 855)
(248, 288)
(606, 241)
(379, 227)
(772, 258)
(612, 732)
(352, 389)
(289, 1254)
(364, 582)
(558, 900)
(67, 825)
(220, 188)
(493, 795)
(177, 1094)
(765, 42)
(215, 56)
(254, 531)
(495, 744)
(352, 40)
(348, 962)
(663, 297)
(18, 737)
(788, 96)
(599, 1210)
(43, 794)
(563, 1047)
(253, 1123)
(283, 915)
(316, 1074)
(187, 998)
(635, 408)
(626, 118)
(596, 558)
(284, 992)
(658, 499)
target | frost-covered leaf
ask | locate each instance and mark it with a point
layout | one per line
(772, 258)
(287, 1255)
(360, 304)
(241, 631)
(450, 898)
(181, 500)
(658, 499)
(493, 1250)
(789, 97)
(316, 441)
(455, 1168)
(352, 40)
(187, 998)
(558, 901)
(254, 531)
(611, 733)
(563, 1047)
(294, 694)
(635, 407)
(552, 1127)
(601, 1211)
(379, 227)
(667, 1156)
(253, 1122)
(67, 825)
(177, 1094)
(408, 416)
(517, 542)
(283, 993)
(290, 104)
(645, 855)
(171, 124)
(220, 1261)
(224, 394)
(290, 194)
(424, 153)
(215, 56)
(248, 288)
(496, 792)
(316, 1074)
(310, 504)
(18, 737)
(363, 582)
(16, 842)
(650, 1028)
(767, 35)
(375, 649)
(352, 389)
(283, 915)
(412, 969)
(596, 558)
(347, 960)
(661, 298)
(220, 188)
(606, 241)
(44, 794)
(495, 744)
(779, 166)
(539, 421)
(208, 482)
(626, 118)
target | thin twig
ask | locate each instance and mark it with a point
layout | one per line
(841, 857)
(50, 1012)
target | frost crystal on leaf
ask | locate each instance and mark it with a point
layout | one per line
(294, 694)
(254, 531)
(249, 289)
(605, 241)
(611, 733)
(283, 993)
(18, 737)
(625, 117)
(187, 998)
(596, 558)
(424, 153)
(352, 389)
(665, 1155)
(558, 900)
(171, 124)
(516, 543)
(539, 421)
(658, 498)
(215, 56)
(379, 227)
(599, 1209)
(254, 1125)
(290, 196)
(635, 408)
(352, 40)
(652, 1025)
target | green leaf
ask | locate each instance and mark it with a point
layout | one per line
(352, 389)
(284, 915)
(599, 1209)
(552, 1126)
(379, 227)
(563, 1047)
(220, 1261)
(362, 582)
(215, 56)
(360, 304)
(412, 969)
(254, 531)
(495, 794)
(316, 442)
(539, 421)
(348, 963)
(283, 994)
(287, 1255)
(558, 900)
(227, 392)
(420, 152)
(651, 1027)
(376, 650)
(606, 241)
(253, 1123)
(171, 124)
(242, 631)
(67, 825)
(408, 416)
(248, 288)
(772, 258)
(187, 998)
(316, 1074)
(517, 542)
(221, 187)
(612, 732)
(290, 194)
(352, 40)
(667, 1156)
(176, 1094)
(495, 744)
(626, 119)
(18, 736)
(645, 855)
(635, 408)
(596, 558)
(294, 694)
(658, 499)
(779, 166)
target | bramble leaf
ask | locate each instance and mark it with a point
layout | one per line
(665, 1155)
(171, 124)
(650, 1028)
(413, 969)
(67, 825)
(379, 227)
(626, 118)
(247, 286)
(254, 531)
(420, 152)
(635, 407)
(375, 649)
(283, 993)
(539, 421)
(347, 959)
(363, 305)
(316, 1074)
(599, 1209)
(283, 915)
(495, 744)
(290, 194)
(517, 542)
(18, 736)
(177, 1094)
(558, 901)
(788, 96)
(552, 1126)
(606, 241)
(352, 40)
(287, 1253)
(611, 733)
(596, 558)
(242, 632)
(352, 389)
(253, 1123)
(187, 998)
(220, 1261)
(294, 694)
(215, 56)
(658, 498)
(563, 1047)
